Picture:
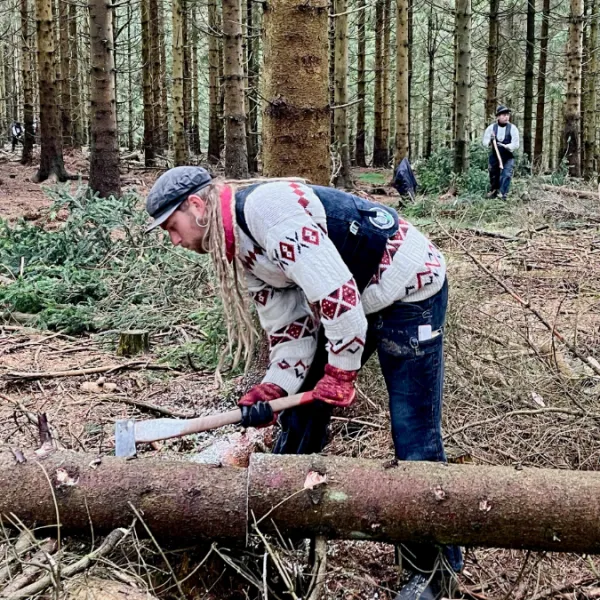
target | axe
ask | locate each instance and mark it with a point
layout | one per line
(495, 142)
(129, 432)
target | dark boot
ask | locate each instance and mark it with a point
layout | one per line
(427, 586)
(492, 194)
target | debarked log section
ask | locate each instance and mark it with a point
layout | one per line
(471, 505)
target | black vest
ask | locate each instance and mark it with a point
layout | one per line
(505, 153)
(359, 229)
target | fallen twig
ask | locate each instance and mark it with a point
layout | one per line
(138, 364)
(590, 361)
(147, 406)
(31, 569)
(111, 540)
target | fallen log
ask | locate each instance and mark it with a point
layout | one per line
(539, 509)
(570, 191)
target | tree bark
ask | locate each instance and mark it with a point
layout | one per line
(130, 141)
(378, 109)
(51, 157)
(105, 178)
(187, 88)
(29, 138)
(253, 28)
(65, 84)
(590, 120)
(154, 20)
(402, 89)
(491, 93)
(571, 134)
(360, 158)
(195, 135)
(385, 84)
(214, 147)
(76, 120)
(236, 151)
(538, 151)
(538, 509)
(463, 84)
(432, 42)
(340, 115)
(164, 105)
(296, 115)
(529, 60)
(149, 150)
(181, 157)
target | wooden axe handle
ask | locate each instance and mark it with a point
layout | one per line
(163, 429)
(495, 142)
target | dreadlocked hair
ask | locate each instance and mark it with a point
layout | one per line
(241, 332)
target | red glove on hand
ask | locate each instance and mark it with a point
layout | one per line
(336, 387)
(263, 392)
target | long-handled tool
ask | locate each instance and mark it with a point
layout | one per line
(129, 432)
(495, 142)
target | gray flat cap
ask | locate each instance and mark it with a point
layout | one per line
(171, 189)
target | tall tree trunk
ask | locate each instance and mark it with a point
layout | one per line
(538, 151)
(340, 115)
(252, 26)
(296, 115)
(361, 86)
(181, 157)
(431, 51)
(64, 83)
(214, 147)
(378, 142)
(149, 149)
(4, 119)
(187, 87)
(195, 137)
(589, 130)
(76, 132)
(463, 84)
(491, 93)
(385, 84)
(29, 137)
(410, 69)
(105, 178)
(156, 76)
(402, 90)
(571, 133)
(236, 151)
(130, 142)
(51, 157)
(551, 134)
(529, 60)
(221, 120)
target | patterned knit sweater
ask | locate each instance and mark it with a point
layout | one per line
(298, 280)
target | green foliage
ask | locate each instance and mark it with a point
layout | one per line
(373, 178)
(96, 270)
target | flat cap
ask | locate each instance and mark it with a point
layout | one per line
(172, 189)
(502, 109)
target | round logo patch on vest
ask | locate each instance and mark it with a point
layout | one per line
(381, 218)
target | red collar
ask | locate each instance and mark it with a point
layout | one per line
(228, 223)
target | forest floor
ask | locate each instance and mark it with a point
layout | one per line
(503, 370)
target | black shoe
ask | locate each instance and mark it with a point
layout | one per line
(492, 194)
(424, 586)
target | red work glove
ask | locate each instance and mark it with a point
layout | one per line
(263, 392)
(336, 387)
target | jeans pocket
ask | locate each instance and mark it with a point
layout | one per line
(405, 343)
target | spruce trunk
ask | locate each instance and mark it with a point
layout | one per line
(491, 93)
(538, 150)
(590, 120)
(463, 84)
(296, 114)
(402, 89)
(105, 178)
(181, 157)
(361, 87)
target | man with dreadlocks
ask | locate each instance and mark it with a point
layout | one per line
(334, 277)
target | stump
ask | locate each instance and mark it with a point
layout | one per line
(133, 342)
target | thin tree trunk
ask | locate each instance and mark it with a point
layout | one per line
(76, 132)
(491, 94)
(164, 118)
(538, 150)
(149, 149)
(402, 89)
(105, 178)
(589, 130)
(130, 142)
(214, 147)
(187, 87)
(4, 119)
(29, 138)
(296, 114)
(529, 61)
(340, 115)
(221, 120)
(571, 133)
(551, 134)
(236, 151)
(378, 142)
(361, 86)
(410, 70)
(64, 83)
(431, 51)
(463, 84)
(385, 123)
(469, 505)
(253, 82)
(51, 157)
(156, 76)
(195, 138)
(178, 108)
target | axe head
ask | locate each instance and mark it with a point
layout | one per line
(125, 438)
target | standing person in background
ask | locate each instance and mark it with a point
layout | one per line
(502, 138)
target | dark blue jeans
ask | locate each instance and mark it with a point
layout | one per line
(413, 371)
(500, 179)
